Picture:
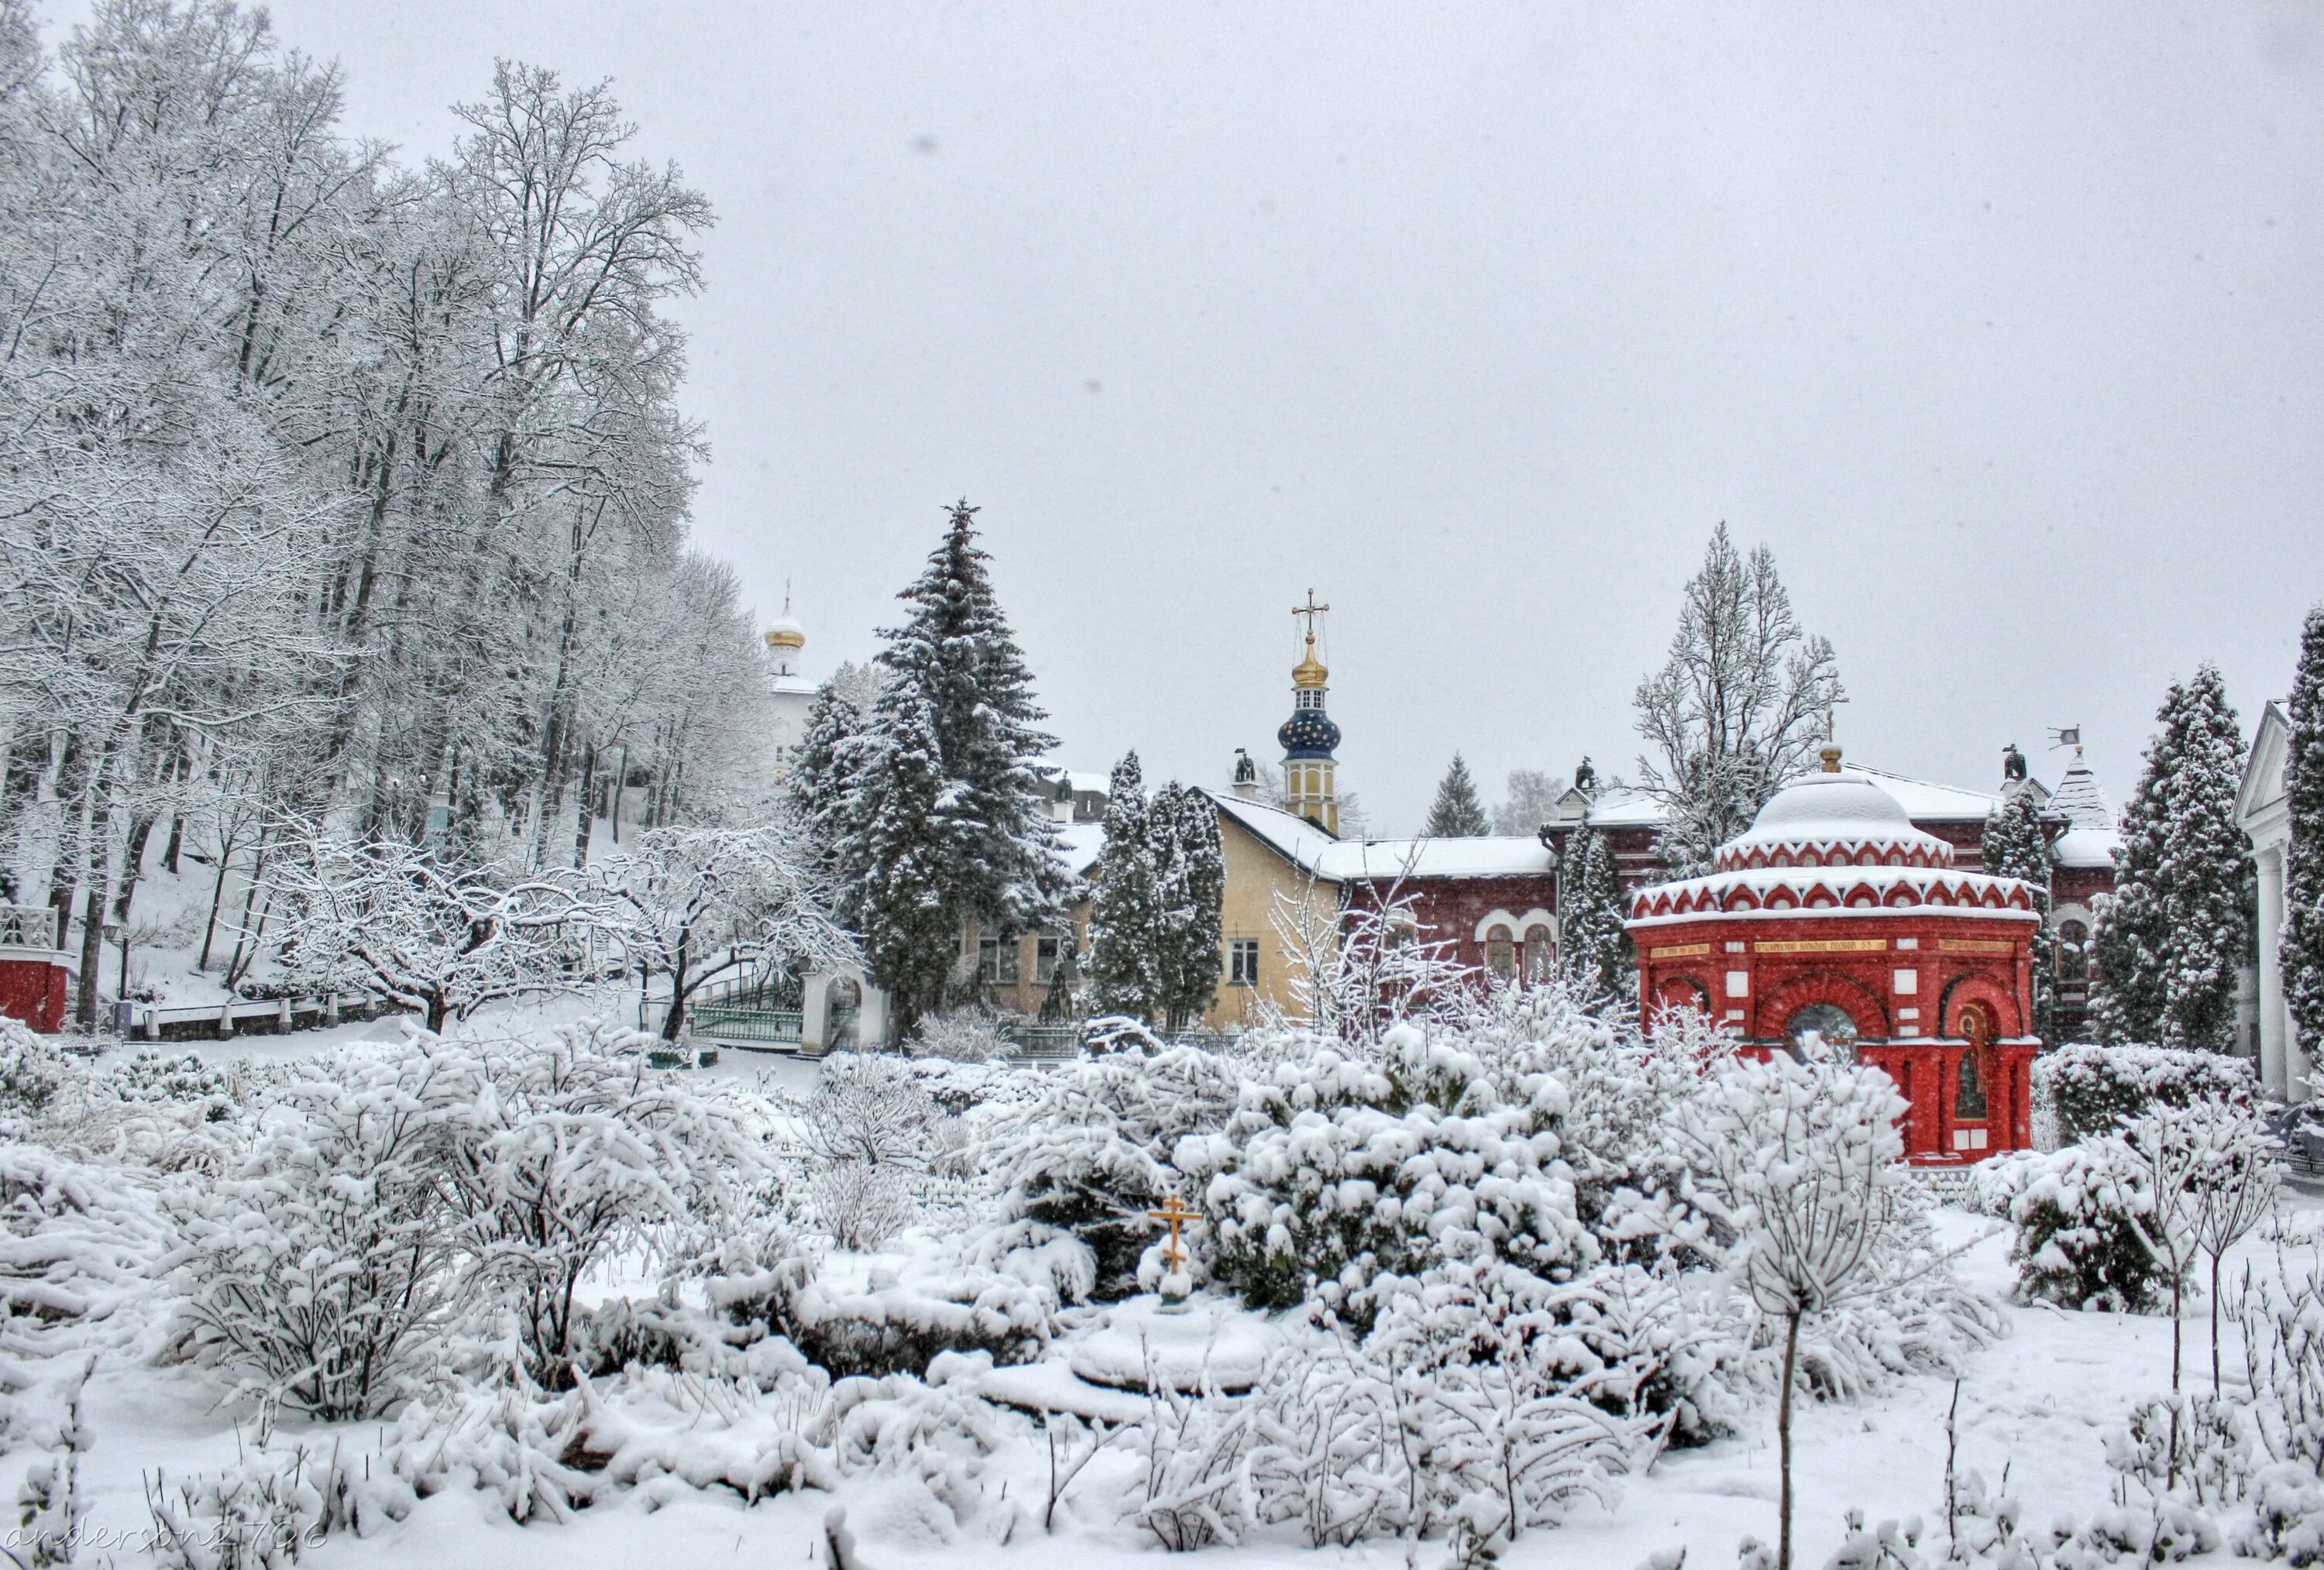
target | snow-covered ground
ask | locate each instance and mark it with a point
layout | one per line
(2033, 1407)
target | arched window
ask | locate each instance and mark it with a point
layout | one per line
(1500, 952)
(1969, 1098)
(2073, 950)
(1540, 953)
(1820, 1030)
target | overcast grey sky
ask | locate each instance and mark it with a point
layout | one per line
(2000, 324)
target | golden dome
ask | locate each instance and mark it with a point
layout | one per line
(1309, 672)
(786, 634)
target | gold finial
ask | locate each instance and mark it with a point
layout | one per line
(1309, 672)
(1831, 756)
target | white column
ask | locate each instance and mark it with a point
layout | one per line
(2276, 1074)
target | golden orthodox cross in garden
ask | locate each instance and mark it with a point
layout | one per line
(1175, 1212)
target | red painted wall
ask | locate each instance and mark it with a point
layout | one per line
(34, 991)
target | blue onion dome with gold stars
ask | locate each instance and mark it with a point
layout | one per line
(1309, 733)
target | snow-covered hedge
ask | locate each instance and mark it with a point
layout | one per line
(2076, 1242)
(2082, 1090)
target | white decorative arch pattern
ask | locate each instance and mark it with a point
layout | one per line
(1518, 925)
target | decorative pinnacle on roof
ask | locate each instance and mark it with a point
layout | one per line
(785, 633)
(1309, 673)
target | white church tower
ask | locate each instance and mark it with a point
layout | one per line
(790, 693)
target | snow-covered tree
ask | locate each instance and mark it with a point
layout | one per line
(1190, 892)
(1458, 813)
(821, 788)
(1798, 1164)
(956, 826)
(690, 907)
(1126, 917)
(2303, 863)
(1596, 951)
(2170, 940)
(2018, 845)
(1530, 801)
(1739, 707)
(397, 922)
(911, 925)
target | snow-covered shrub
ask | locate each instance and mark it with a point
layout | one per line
(2086, 1089)
(2287, 1519)
(1090, 1154)
(1327, 1450)
(154, 1078)
(2188, 1447)
(80, 1246)
(1497, 1381)
(1335, 1172)
(901, 1320)
(1912, 1317)
(2078, 1240)
(322, 1265)
(269, 1508)
(510, 1443)
(962, 1035)
(573, 1150)
(33, 1069)
(860, 1204)
(2280, 1312)
(1193, 1489)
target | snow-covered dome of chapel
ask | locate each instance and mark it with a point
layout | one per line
(1832, 819)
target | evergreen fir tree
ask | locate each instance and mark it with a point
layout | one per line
(2302, 953)
(955, 707)
(1126, 912)
(1598, 957)
(2017, 845)
(911, 931)
(1458, 813)
(2168, 942)
(1190, 892)
(821, 786)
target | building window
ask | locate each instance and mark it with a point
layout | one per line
(1540, 954)
(1500, 952)
(1820, 1029)
(2073, 952)
(1307, 697)
(1242, 963)
(996, 961)
(1045, 958)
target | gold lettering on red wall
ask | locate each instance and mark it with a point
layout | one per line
(1824, 946)
(1679, 951)
(1976, 946)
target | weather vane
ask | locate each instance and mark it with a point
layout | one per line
(2067, 736)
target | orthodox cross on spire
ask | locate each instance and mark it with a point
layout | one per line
(1310, 610)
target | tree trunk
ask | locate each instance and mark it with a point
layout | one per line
(584, 807)
(2216, 1260)
(1784, 1441)
(92, 953)
(676, 1017)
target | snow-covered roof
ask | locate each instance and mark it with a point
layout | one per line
(1483, 856)
(1924, 801)
(2085, 848)
(1295, 839)
(1833, 888)
(2082, 802)
(1311, 850)
(1078, 845)
(1829, 819)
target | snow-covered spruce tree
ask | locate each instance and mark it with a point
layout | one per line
(2170, 939)
(1737, 709)
(821, 788)
(911, 929)
(956, 824)
(2303, 864)
(1190, 894)
(1126, 935)
(2017, 845)
(1458, 813)
(1596, 953)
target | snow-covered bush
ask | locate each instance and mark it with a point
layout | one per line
(80, 1245)
(1082, 1162)
(153, 1078)
(1505, 1396)
(861, 1204)
(1327, 1450)
(2280, 1312)
(269, 1508)
(2078, 1243)
(2085, 1089)
(322, 1263)
(573, 1150)
(1193, 1489)
(961, 1035)
(2197, 1449)
(1334, 1173)
(33, 1069)
(901, 1320)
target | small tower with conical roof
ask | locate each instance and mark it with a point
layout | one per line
(1310, 771)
